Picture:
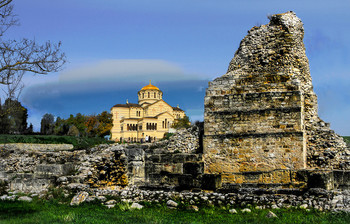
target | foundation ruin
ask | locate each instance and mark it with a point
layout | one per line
(261, 121)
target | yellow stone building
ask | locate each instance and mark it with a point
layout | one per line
(148, 120)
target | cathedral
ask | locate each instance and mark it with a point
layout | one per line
(148, 120)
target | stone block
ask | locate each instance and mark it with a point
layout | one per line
(193, 168)
(134, 154)
(29, 183)
(192, 158)
(179, 158)
(164, 179)
(211, 181)
(55, 169)
(341, 179)
(166, 158)
(154, 158)
(186, 182)
(321, 179)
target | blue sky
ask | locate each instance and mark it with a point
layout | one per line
(115, 47)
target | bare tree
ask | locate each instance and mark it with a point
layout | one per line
(20, 56)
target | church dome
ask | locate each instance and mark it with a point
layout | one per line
(150, 87)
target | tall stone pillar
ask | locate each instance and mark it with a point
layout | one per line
(261, 116)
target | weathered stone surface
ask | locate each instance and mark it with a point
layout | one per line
(136, 206)
(246, 210)
(79, 198)
(171, 204)
(262, 114)
(232, 211)
(25, 198)
(304, 206)
(271, 215)
(184, 140)
(111, 202)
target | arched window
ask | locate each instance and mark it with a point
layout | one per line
(143, 95)
(154, 95)
(165, 123)
(149, 95)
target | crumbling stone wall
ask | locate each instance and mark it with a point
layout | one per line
(262, 114)
(165, 164)
(184, 140)
(35, 167)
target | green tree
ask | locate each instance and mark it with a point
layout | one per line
(182, 123)
(73, 131)
(79, 122)
(30, 129)
(47, 124)
(91, 124)
(13, 118)
(61, 127)
(105, 123)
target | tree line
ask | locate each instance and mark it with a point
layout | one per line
(79, 125)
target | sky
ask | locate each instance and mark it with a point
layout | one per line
(115, 47)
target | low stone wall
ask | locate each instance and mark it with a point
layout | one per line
(244, 197)
(37, 147)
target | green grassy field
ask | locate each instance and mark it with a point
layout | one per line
(53, 212)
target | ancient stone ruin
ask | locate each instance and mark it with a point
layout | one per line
(261, 116)
(263, 143)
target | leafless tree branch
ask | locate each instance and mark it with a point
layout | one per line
(20, 56)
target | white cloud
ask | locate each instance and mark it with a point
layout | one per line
(122, 70)
(110, 75)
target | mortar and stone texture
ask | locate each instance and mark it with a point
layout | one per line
(261, 116)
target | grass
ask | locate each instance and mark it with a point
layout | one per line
(54, 212)
(77, 142)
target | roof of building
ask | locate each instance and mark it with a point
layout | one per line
(150, 87)
(131, 118)
(127, 105)
(166, 112)
(177, 108)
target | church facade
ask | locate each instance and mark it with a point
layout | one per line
(149, 119)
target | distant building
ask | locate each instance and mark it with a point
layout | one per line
(148, 120)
